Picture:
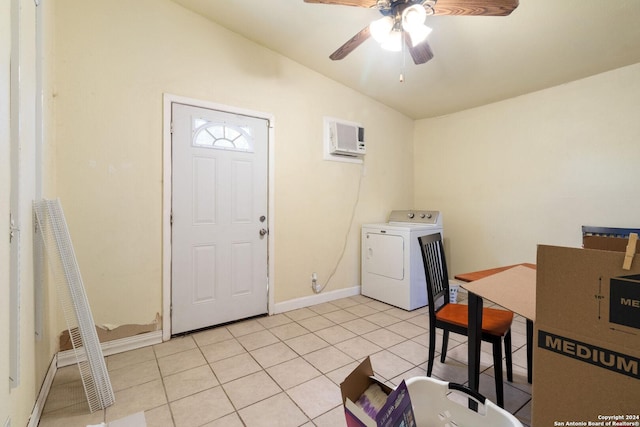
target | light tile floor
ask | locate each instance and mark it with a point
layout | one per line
(281, 370)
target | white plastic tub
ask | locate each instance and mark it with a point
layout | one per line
(442, 404)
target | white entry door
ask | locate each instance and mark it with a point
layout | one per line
(219, 217)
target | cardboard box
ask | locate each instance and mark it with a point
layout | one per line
(606, 243)
(586, 361)
(397, 411)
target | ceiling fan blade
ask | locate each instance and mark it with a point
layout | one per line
(357, 3)
(351, 44)
(475, 7)
(420, 53)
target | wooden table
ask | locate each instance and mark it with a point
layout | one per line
(512, 287)
(477, 275)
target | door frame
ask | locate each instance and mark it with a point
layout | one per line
(169, 99)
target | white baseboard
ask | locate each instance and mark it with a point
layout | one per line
(297, 303)
(34, 419)
(68, 357)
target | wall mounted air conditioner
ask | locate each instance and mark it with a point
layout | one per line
(346, 138)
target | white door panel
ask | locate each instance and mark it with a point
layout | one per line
(204, 273)
(219, 194)
(241, 273)
(242, 192)
(204, 190)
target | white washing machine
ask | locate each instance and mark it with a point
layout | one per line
(392, 267)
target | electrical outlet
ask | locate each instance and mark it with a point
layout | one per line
(314, 282)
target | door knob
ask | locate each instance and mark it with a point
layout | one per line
(263, 232)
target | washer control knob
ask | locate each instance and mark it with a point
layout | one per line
(411, 214)
(429, 215)
(422, 215)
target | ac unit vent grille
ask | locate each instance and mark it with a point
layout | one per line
(347, 139)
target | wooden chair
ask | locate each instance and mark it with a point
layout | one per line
(496, 324)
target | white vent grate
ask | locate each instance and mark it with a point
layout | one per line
(73, 299)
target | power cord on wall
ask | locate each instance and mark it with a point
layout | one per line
(319, 288)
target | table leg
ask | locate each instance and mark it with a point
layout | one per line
(529, 350)
(475, 339)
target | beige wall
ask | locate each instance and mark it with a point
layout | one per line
(114, 61)
(533, 169)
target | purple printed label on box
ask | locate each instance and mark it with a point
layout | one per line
(397, 412)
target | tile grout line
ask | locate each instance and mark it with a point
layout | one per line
(164, 387)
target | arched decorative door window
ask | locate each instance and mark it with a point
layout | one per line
(221, 136)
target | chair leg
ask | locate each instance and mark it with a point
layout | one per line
(508, 354)
(497, 367)
(445, 344)
(529, 350)
(432, 350)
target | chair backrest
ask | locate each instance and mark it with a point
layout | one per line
(435, 271)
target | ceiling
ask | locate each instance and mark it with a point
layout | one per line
(478, 59)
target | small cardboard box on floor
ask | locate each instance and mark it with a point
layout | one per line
(396, 412)
(586, 360)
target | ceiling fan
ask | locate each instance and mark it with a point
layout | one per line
(403, 21)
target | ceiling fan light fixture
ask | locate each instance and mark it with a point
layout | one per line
(413, 17)
(381, 29)
(393, 42)
(419, 34)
